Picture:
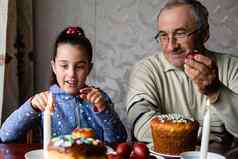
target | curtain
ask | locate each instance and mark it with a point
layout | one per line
(18, 83)
(3, 30)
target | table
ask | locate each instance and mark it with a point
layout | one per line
(16, 151)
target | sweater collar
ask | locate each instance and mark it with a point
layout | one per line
(168, 66)
(56, 90)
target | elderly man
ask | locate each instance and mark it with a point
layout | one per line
(169, 82)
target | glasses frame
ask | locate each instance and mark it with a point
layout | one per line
(187, 34)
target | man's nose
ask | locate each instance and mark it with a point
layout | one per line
(172, 43)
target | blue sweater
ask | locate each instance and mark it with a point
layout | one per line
(70, 112)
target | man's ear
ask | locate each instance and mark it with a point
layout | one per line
(52, 65)
(206, 36)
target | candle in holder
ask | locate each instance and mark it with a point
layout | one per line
(47, 123)
(205, 132)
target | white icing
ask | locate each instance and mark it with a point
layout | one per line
(175, 118)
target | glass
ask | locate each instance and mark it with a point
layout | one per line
(164, 37)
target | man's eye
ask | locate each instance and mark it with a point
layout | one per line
(180, 34)
(163, 35)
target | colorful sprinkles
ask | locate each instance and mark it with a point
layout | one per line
(67, 141)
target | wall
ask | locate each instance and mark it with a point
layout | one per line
(122, 33)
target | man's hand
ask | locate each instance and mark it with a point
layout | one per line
(204, 73)
(94, 96)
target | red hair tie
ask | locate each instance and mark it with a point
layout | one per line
(73, 31)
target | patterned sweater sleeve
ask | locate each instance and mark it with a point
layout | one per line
(17, 124)
(113, 129)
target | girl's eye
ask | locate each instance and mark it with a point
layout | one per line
(79, 67)
(64, 66)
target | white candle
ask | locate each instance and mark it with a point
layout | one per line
(205, 132)
(47, 123)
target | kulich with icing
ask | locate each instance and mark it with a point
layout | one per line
(173, 133)
(69, 147)
(83, 132)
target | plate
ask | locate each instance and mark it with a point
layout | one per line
(196, 155)
(151, 149)
(38, 154)
(34, 154)
(157, 157)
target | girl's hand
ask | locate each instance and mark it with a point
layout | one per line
(40, 101)
(94, 96)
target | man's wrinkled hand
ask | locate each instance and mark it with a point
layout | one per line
(204, 73)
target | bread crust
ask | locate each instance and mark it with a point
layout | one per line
(173, 138)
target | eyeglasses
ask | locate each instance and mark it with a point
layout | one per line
(178, 35)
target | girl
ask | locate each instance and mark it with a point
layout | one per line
(75, 103)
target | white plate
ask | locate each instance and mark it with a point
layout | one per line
(38, 154)
(196, 155)
(157, 157)
(151, 148)
(109, 150)
(34, 154)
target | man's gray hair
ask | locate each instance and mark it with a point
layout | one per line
(199, 11)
